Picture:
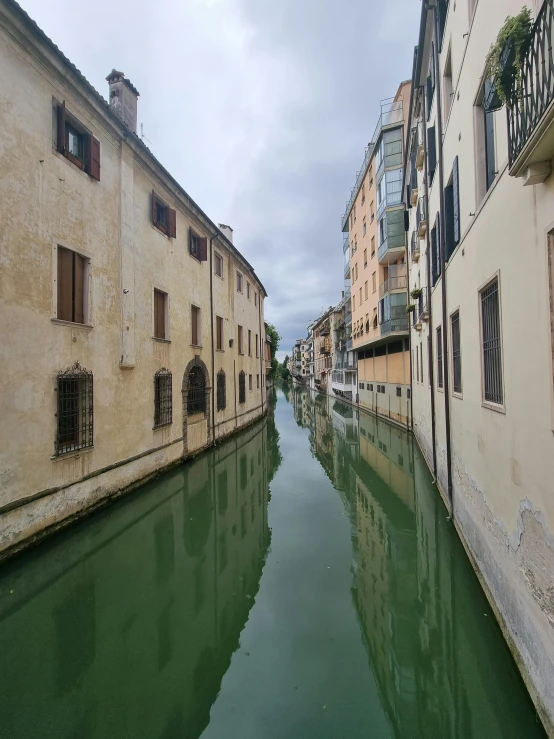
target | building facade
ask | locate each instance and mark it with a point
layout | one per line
(480, 196)
(374, 249)
(133, 329)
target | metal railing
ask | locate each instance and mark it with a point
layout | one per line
(359, 177)
(422, 306)
(414, 244)
(537, 83)
(394, 324)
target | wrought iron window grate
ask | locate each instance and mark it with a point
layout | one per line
(196, 392)
(242, 387)
(75, 410)
(221, 391)
(163, 398)
(492, 345)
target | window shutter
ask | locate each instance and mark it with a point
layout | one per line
(159, 314)
(406, 221)
(61, 128)
(190, 240)
(79, 289)
(65, 284)
(456, 201)
(448, 222)
(202, 248)
(94, 148)
(154, 213)
(172, 223)
(431, 152)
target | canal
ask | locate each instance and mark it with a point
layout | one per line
(301, 580)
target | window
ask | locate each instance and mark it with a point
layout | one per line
(398, 392)
(219, 333)
(255, 298)
(491, 344)
(257, 347)
(370, 387)
(221, 391)
(360, 297)
(363, 195)
(430, 84)
(218, 265)
(242, 387)
(456, 353)
(163, 398)
(249, 343)
(372, 210)
(373, 246)
(447, 84)
(353, 302)
(258, 380)
(421, 361)
(239, 282)
(76, 144)
(196, 392)
(366, 287)
(72, 278)
(74, 410)
(439, 358)
(374, 282)
(431, 153)
(250, 382)
(452, 212)
(363, 227)
(160, 315)
(196, 339)
(239, 341)
(365, 258)
(248, 290)
(198, 246)
(164, 218)
(417, 363)
(435, 250)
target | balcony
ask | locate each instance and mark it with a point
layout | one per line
(395, 325)
(422, 309)
(396, 280)
(415, 251)
(421, 217)
(531, 118)
(391, 249)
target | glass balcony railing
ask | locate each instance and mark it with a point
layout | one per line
(394, 324)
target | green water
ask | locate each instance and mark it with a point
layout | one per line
(300, 581)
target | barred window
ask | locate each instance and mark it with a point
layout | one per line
(196, 392)
(221, 391)
(456, 354)
(163, 398)
(242, 387)
(75, 410)
(439, 357)
(492, 344)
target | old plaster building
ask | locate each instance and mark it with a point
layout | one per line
(133, 330)
(481, 256)
(374, 251)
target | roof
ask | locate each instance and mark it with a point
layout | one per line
(34, 28)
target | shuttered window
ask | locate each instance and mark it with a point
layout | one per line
(440, 378)
(435, 250)
(456, 354)
(77, 144)
(491, 344)
(431, 152)
(219, 333)
(221, 391)
(72, 286)
(239, 329)
(198, 248)
(164, 217)
(160, 314)
(452, 212)
(195, 325)
(242, 387)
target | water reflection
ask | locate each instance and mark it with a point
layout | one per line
(439, 659)
(124, 625)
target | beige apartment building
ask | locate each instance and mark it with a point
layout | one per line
(375, 255)
(481, 264)
(133, 329)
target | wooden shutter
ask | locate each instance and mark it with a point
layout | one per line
(202, 248)
(172, 223)
(78, 288)
(219, 332)
(431, 152)
(61, 128)
(65, 284)
(94, 161)
(448, 222)
(194, 324)
(456, 202)
(159, 314)
(154, 210)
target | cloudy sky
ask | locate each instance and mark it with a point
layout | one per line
(261, 109)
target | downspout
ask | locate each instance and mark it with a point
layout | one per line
(214, 388)
(428, 276)
(446, 371)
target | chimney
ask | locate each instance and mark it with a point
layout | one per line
(123, 98)
(226, 231)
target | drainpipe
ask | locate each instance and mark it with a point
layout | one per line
(446, 373)
(428, 275)
(214, 385)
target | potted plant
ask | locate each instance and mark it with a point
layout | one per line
(416, 292)
(505, 59)
(410, 308)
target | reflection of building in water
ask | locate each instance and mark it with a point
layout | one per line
(137, 612)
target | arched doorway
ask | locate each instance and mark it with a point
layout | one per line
(196, 406)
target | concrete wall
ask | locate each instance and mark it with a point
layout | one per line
(47, 202)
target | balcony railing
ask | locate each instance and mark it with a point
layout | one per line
(388, 245)
(394, 324)
(422, 307)
(415, 248)
(537, 84)
(421, 216)
(394, 281)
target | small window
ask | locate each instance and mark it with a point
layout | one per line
(257, 347)
(439, 358)
(163, 398)
(249, 343)
(258, 381)
(74, 410)
(373, 246)
(239, 282)
(398, 392)
(248, 290)
(365, 258)
(361, 385)
(160, 315)
(76, 144)
(456, 353)
(255, 298)
(221, 391)
(491, 344)
(239, 340)
(374, 282)
(164, 218)
(370, 387)
(196, 336)
(408, 393)
(198, 247)
(72, 286)
(219, 333)
(242, 387)
(250, 382)
(218, 265)
(363, 227)
(372, 211)
(366, 288)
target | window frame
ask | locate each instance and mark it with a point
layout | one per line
(196, 313)
(455, 315)
(440, 361)
(83, 425)
(165, 337)
(242, 387)
(498, 407)
(219, 340)
(87, 285)
(221, 391)
(240, 339)
(239, 282)
(163, 398)
(218, 259)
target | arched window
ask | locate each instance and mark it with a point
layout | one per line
(163, 398)
(221, 391)
(75, 410)
(196, 392)
(242, 387)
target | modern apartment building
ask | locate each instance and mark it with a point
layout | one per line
(481, 268)
(133, 329)
(374, 249)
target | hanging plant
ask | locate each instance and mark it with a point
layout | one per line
(416, 292)
(505, 58)
(410, 308)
